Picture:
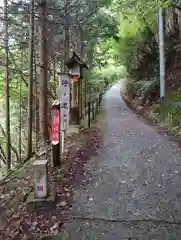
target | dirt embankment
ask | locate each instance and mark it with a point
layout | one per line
(145, 112)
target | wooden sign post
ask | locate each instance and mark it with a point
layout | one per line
(64, 106)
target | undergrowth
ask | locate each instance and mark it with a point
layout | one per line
(168, 112)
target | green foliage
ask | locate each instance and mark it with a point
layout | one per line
(141, 7)
(101, 77)
(1, 86)
(104, 53)
(106, 68)
(168, 112)
(112, 73)
(135, 39)
(129, 87)
(14, 88)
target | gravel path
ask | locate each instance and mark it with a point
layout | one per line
(133, 188)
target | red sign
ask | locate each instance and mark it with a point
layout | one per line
(40, 188)
(75, 78)
(55, 126)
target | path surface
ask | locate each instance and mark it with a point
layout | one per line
(136, 177)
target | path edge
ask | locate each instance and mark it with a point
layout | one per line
(141, 114)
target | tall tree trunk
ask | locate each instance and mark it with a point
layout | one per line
(81, 42)
(54, 77)
(36, 100)
(43, 97)
(67, 43)
(20, 110)
(6, 83)
(80, 31)
(66, 34)
(30, 83)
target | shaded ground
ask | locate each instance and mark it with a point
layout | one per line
(19, 222)
(132, 189)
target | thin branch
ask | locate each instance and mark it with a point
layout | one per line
(12, 147)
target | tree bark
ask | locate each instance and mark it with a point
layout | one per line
(6, 83)
(43, 97)
(66, 34)
(20, 110)
(30, 83)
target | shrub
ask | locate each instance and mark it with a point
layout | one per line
(169, 110)
(129, 88)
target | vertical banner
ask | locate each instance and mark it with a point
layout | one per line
(64, 101)
(55, 126)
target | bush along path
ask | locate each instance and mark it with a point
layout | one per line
(17, 220)
(132, 189)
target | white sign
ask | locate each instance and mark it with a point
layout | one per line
(64, 92)
(64, 113)
(64, 101)
(40, 179)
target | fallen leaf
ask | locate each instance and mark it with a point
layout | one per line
(62, 204)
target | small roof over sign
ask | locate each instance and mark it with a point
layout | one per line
(75, 59)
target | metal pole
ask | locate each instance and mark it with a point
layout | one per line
(63, 141)
(162, 54)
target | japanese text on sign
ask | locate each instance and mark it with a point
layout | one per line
(64, 101)
(55, 126)
(40, 188)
